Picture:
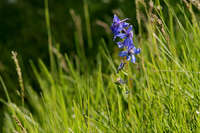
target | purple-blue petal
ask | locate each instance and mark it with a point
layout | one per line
(123, 53)
(125, 24)
(120, 44)
(121, 35)
(133, 59)
(130, 34)
(116, 19)
(128, 57)
(129, 29)
(131, 46)
(128, 42)
(137, 50)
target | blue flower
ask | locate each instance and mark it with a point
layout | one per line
(120, 44)
(129, 54)
(128, 38)
(118, 25)
(124, 32)
(121, 66)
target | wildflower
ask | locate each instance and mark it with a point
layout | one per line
(129, 54)
(118, 25)
(120, 44)
(128, 35)
(121, 66)
(124, 32)
(128, 42)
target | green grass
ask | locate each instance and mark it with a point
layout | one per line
(81, 96)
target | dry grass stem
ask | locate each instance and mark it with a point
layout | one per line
(19, 124)
(19, 73)
(104, 25)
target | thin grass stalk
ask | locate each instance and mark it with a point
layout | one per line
(77, 21)
(138, 17)
(48, 26)
(20, 124)
(5, 89)
(19, 73)
(88, 25)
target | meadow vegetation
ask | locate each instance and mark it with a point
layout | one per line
(76, 94)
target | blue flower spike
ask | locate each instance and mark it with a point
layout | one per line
(124, 31)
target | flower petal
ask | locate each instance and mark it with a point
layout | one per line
(130, 35)
(125, 24)
(120, 44)
(131, 46)
(123, 53)
(116, 19)
(128, 43)
(129, 29)
(133, 59)
(137, 51)
(121, 35)
(128, 57)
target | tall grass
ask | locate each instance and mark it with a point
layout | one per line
(163, 87)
